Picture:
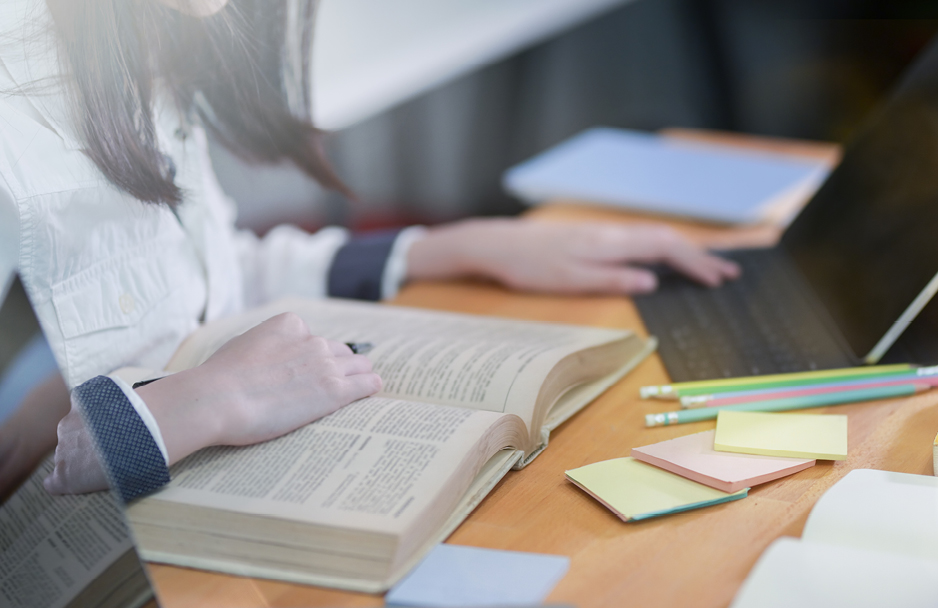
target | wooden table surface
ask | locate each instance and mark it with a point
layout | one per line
(698, 558)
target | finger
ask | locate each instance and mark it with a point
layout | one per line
(728, 268)
(669, 246)
(353, 364)
(602, 278)
(702, 266)
(339, 349)
(360, 386)
(648, 243)
(54, 483)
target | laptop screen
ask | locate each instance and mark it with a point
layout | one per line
(868, 240)
(55, 551)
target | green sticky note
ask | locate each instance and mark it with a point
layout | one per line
(634, 490)
(795, 435)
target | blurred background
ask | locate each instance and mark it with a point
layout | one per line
(435, 151)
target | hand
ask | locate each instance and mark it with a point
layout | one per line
(30, 433)
(265, 383)
(562, 258)
(77, 468)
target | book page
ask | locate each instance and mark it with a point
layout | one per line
(451, 359)
(52, 547)
(880, 511)
(815, 575)
(373, 465)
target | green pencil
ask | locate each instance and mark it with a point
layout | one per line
(781, 405)
(722, 385)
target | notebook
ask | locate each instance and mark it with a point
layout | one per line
(870, 541)
(668, 175)
(55, 551)
(693, 457)
(634, 490)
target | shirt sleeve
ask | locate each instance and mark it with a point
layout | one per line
(145, 415)
(372, 266)
(287, 261)
(395, 270)
(290, 261)
(133, 461)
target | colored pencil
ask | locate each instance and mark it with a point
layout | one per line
(781, 405)
(788, 393)
(703, 387)
(783, 392)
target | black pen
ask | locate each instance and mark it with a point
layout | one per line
(360, 348)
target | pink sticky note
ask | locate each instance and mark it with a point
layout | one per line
(693, 457)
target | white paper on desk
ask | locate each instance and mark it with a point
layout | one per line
(879, 511)
(669, 175)
(454, 575)
(805, 574)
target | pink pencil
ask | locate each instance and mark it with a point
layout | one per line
(817, 390)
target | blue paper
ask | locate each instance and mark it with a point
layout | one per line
(453, 575)
(662, 175)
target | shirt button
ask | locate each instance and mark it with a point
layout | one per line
(127, 303)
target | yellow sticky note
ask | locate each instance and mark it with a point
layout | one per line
(795, 435)
(634, 490)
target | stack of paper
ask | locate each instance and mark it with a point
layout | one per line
(747, 448)
(693, 457)
(794, 435)
(634, 490)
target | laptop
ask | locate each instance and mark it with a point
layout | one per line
(854, 269)
(55, 551)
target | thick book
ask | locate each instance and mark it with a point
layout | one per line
(355, 499)
(871, 540)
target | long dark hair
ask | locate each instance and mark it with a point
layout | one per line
(243, 72)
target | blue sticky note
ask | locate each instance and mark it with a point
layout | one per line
(453, 575)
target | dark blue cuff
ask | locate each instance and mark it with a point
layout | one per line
(131, 459)
(358, 266)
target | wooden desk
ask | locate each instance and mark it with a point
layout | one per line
(697, 558)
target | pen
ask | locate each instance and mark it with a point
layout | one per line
(360, 348)
(781, 405)
(703, 387)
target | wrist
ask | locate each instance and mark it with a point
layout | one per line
(184, 406)
(468, 248)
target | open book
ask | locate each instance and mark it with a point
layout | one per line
(871, 540)
(356, 499)
(67, 551)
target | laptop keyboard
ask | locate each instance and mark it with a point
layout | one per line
(759, 324)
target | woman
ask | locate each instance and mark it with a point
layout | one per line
(111, 213)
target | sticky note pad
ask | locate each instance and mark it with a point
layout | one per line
(693, 457)
(634, 490)
(794, 435)
(453, 575)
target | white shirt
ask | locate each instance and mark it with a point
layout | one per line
(116, 282)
